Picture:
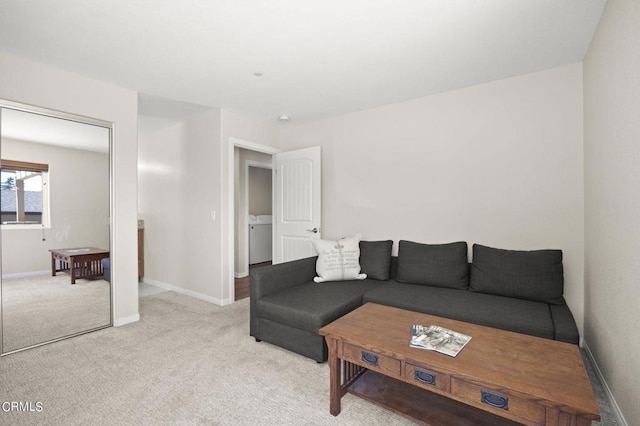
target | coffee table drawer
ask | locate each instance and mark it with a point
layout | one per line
(427, 378)
(513, 407)
(370, 360)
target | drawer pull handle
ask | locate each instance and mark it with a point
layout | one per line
(495, 400)
(370, 358)
(425, 377)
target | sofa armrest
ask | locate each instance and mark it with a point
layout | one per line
(565, 328)
(272, 279)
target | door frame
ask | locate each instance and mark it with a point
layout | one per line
(230, 243)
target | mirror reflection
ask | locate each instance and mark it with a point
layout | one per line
(55, 227)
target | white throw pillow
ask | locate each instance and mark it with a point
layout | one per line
(338, 260)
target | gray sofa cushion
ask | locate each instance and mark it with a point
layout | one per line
(532, 275)
(311, 306)
(505, 313)
(375, 259)
(441, 265)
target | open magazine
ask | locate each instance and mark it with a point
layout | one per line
(440, 339)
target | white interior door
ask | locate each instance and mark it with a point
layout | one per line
(297, 199)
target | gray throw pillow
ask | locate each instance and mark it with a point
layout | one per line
(440, 265)
(375, 259)
(531, 275)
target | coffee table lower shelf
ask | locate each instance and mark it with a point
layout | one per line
(420, 405)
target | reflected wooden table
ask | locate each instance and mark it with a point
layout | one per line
(83, 262)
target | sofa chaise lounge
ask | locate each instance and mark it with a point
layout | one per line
(519, 291)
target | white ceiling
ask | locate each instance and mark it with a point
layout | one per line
(317, 58)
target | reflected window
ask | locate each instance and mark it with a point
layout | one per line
(25, 193)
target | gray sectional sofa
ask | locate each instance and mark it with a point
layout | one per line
(519, 291)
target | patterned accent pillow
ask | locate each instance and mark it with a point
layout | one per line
(338, 260)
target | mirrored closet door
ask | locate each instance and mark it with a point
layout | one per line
(55, 232)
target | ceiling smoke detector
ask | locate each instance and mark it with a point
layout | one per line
(283, 118)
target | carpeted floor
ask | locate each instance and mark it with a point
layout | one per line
(41, 308)
(185, 362)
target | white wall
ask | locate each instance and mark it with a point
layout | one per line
(79, 205)
(161, 204)
(203, 233)
(260, 190)
(612, 201)
(252, 132)
(179, 181)
(497, 164)
(185, 182)
(48, 87)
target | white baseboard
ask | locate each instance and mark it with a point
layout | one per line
(612, 402)
(126, 320)
(26, 274)
(187, 292)
(241, 274)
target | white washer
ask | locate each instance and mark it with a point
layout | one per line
(260, 239)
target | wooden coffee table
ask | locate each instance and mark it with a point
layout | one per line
(499, 377)
(83, 262)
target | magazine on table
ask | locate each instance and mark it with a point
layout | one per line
(436, 338)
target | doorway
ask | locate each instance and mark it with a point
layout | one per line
(258, 202)
(253, 207)
(293, 167)
(252, 213)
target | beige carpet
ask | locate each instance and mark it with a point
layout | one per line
(42, 308)
(185, 362)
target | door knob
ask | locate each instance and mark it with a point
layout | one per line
(314, 230)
